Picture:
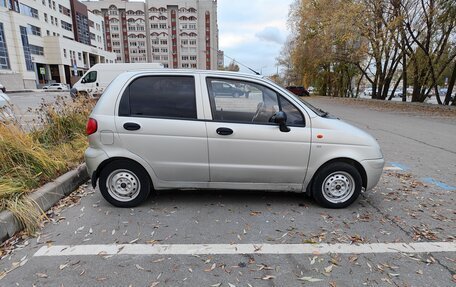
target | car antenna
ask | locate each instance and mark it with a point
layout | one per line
(232, 59)
(252, 70)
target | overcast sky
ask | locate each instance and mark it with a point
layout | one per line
(253, 31)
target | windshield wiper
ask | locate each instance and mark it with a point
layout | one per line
(323, 113)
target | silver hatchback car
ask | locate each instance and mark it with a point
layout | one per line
(169, 129)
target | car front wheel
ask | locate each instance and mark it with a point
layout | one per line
(124, 183)
(337, 185)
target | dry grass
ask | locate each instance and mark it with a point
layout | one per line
(30, 159)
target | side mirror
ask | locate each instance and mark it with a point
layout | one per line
(280, 118)
(83, 81)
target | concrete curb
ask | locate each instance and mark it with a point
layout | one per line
(46, 196)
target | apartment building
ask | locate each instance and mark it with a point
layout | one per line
(176, 33)
(48, 40)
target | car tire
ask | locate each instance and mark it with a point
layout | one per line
(124, 183)
(337, 185)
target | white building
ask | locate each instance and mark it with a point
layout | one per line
(176, 33)
(38, 43)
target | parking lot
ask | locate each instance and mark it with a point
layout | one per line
(245, 238)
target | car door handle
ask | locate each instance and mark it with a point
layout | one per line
(131, 126)
(224, 131)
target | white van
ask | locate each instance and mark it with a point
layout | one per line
(97, 78)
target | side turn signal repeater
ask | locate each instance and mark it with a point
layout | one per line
(319, 136)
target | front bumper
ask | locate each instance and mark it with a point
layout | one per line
(374, 169)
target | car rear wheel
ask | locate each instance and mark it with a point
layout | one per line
(124, 183)
(337, 185)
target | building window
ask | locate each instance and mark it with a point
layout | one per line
(192, 58)
(115, 36)
(27, 10)
(92, 36)
(4, 59)
(163, 42)
(154, 26)
(65, 25)
(36, 50)
(192, 42)
(162, 25)
(155, 41)
(45, 17)
(64, 53)
(25, 46)
(53, 5)
(79, 56)
(33, 30)
(64, 10)
(164, 50)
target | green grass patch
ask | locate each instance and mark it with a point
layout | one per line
(31, 157)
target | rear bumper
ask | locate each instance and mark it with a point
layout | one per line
(374, 169)
(93, 158)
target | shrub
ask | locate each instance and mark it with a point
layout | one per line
(32, 156)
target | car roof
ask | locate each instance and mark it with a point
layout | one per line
(194, 71)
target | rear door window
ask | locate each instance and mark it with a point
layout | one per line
(160, 96)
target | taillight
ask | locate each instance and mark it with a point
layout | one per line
(91, 127)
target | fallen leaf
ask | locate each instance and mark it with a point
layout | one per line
(158, 260)
(312, 261)
(231, 285)
(63, 266)
(210, 269)
(41, 275)
(134, 240)
(268, 277)
(419, 272)
(329, 268)
(216, 285)
(154, 284)
(139, 267)
(309, 279)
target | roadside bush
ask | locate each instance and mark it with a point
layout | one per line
(32, 156)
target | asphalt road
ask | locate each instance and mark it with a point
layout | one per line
(413, 203)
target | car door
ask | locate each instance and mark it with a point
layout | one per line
(246, 147)
(158, 121)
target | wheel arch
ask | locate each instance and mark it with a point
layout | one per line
(96, 173)
(350, 161)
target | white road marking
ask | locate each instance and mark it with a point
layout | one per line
(212, 249)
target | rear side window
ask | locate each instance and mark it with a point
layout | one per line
(160, 96)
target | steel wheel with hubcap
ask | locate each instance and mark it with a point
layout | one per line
(337, 185)
(124, 183)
